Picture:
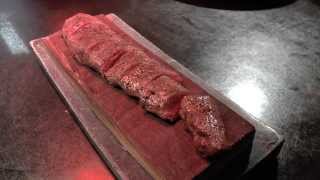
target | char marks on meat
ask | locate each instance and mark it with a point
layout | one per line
(203, 121)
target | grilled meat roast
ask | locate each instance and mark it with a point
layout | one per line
(158, 88)
(96, 45)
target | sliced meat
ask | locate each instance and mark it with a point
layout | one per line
(103, 55)
(95, 45)
(134, 82)
(92, 42)
(203, 120)
(135, 69)
(130, 59)
(162, 97)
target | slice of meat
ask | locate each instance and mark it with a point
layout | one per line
(203, 120)
(130, 59)
(92, 42)
(134, 81)
(162, 97)
(103, 55)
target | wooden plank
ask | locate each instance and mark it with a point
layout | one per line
(147, 136)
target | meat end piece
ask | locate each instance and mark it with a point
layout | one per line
(204, 122)
(91, 41)
(163, 96)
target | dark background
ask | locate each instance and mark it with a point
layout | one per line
(264, 55)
